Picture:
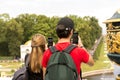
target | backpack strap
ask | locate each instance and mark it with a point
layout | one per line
(53, 49)
(27, 60)
(70, 48)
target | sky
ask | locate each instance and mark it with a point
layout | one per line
(100, 9)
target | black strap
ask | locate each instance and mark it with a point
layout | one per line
(70, 48)
(27, 59)
(53, 49)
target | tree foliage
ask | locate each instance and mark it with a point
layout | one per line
(14, 37)
(18, 30)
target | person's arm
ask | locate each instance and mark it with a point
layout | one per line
(90, 61)
(44, 71)
(45, 59)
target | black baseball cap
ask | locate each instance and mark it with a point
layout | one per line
(67, 22)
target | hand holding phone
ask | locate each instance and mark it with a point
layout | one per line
(76, 39)
(80, 42)
(50, 42)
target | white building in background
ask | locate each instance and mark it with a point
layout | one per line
(25, 49)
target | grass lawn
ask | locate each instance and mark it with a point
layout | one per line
(12, 66)
(100, 62)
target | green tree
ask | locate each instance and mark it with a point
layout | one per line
(14, 37)
(27, 22)
(3, 40)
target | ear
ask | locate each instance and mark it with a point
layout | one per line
(71, 33)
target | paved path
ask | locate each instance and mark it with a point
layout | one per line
(92, 51)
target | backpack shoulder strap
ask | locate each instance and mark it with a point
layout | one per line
(53, 49)
(27, 60)
(70, 48)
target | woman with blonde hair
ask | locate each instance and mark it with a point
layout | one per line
(38, 47)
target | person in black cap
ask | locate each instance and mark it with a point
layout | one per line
(64, 30)
(64, 27)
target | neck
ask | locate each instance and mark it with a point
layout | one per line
(64, 40)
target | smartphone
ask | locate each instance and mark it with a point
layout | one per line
(50, 42)
(75, 38)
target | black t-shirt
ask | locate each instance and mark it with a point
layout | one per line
(34, 76)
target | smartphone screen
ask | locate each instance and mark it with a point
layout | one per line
(50, 42)
(75, 38)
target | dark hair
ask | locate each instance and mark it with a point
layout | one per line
(64, 27)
